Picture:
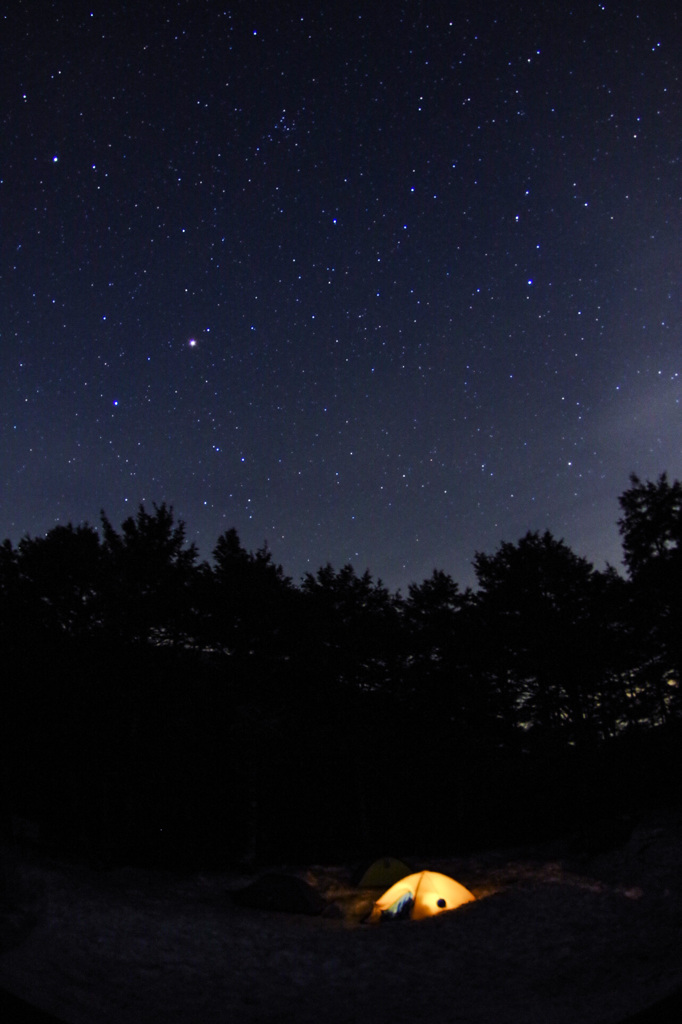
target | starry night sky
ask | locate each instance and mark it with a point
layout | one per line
(383, 284)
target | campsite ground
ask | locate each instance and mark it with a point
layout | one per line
(556, 934)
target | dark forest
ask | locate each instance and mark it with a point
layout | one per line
(162, 710)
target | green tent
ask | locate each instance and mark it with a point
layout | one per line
(383, 873)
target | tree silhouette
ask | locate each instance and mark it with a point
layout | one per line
(154, 694)
(349, 656)
(651, 524)
(441, 642)
(149, 573)
(535, 602)
(247, 600)
(350, 624)
(430, 613)
(12, 618)
(60, 580)
(651, 528)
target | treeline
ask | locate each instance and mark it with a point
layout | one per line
(160, 708)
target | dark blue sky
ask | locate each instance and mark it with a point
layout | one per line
(386, 286)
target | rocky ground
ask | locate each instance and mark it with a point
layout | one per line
(587, 932)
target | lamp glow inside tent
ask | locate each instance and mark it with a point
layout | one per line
(423, 894)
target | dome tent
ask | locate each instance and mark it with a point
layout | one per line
(287, 893)
(382, 873)
(423, 894)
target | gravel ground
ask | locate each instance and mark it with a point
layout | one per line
(550, 939)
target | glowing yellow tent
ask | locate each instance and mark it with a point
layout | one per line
(421, 895)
